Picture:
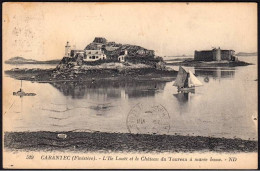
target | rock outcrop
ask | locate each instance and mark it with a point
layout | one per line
(113, 50)
(135, 55)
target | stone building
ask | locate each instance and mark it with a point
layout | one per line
(121, 57)
(215, 55)
(86, 55)
(94, 55)
(101, 40)
(74, 53)
(227, 54)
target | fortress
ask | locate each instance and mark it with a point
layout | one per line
(215, 55)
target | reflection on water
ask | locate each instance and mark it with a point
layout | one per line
(215, 72)
(183, 97)
(109, 89)
(225, 106)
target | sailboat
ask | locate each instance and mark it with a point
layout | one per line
(186, 80)
(22, 93)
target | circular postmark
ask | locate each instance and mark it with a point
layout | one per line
(148, 119)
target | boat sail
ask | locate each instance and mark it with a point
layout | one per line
(186, 80)
(194, 80)
(181, 77)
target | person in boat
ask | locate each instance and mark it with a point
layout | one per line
(187, 83)
(20, 91)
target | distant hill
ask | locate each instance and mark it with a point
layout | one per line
(246, 54)
(21, 60)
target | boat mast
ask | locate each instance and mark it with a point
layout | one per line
(21, 85)
(189, 81)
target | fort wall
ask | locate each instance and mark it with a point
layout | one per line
(206, 55)
(214, 55)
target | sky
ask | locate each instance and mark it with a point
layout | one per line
(40, 31)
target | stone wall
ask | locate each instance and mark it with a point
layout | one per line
(214, 55)
(111, 48)
(226, 54)
(206, 55)
(100, 40)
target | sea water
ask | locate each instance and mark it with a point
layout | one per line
(225, 106)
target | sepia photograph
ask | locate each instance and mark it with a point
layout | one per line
(129, 85)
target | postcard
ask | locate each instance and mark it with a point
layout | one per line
(129, 85)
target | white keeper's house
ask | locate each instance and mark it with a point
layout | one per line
(88, 55)
(94, 55)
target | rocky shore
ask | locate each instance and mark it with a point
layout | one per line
(122, 142)
(95, 74)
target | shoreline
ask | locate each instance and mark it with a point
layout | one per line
(123, 142)
(52, 75)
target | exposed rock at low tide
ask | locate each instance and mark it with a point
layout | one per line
(81, 74)
(98, 141)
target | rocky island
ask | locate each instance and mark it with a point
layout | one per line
(212, 58)
(101, 60)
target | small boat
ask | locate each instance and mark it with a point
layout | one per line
(186, 81)
(22, 93)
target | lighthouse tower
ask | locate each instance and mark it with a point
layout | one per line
(67, 50)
